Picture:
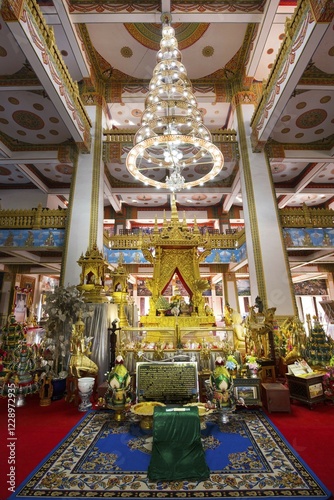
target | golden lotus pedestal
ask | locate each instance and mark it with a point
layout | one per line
(119, 412)
(146, 422)
(93, 293)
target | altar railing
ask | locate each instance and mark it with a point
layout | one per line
(40, 217)
(306, 217)
(35, 218)
(132, 241)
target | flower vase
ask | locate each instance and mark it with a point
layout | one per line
(253, 372)
(85, 387)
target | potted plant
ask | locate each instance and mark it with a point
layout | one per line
(231, 364)
(62, 308)
(162, 305)
(328, 380)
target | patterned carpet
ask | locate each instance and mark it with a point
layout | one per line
(247, 457)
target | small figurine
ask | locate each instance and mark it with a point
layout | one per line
(259, 305)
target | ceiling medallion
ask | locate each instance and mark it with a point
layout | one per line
(311, 118)
(208, 51)
(126, 52)
(172, 135)
(149, 35)
(27, 119)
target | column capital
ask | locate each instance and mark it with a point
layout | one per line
(12, 10)
(244, 97)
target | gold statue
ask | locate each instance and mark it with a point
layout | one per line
(228, 314)
(258, 326)
(80, 351)
(238, 331)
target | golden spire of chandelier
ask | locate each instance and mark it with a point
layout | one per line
(172, 139)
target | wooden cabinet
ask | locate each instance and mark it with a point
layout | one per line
(275, 397)
(307, 390)
(203, 376)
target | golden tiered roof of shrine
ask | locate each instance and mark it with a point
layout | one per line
(176, 233)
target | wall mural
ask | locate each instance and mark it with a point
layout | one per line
(142, 291)
(219, 289)
(243, 287)
(136, 256)
(129, 256)
(308, 237)
(312, 287)
(32, 238)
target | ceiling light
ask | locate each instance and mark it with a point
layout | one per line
(169, 140)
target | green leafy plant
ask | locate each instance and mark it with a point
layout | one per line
(62, 308)
(162, 303)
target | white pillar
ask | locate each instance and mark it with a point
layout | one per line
(269, 271)
(85, 219)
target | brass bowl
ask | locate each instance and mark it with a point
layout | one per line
(145, 411)
(203, 412)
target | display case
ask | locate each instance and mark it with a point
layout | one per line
(248, 389)
(307, 389)
(202, 345)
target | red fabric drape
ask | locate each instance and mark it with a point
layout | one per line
(179, 275)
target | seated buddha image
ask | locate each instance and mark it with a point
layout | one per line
(184, 308)
(50, 242)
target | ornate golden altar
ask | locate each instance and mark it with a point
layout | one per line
(176, 249)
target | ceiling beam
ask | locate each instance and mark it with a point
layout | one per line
(230, 198)
(262, 36)
(155, 17)
(320, 256)
(284, 79)
(32, 157)
(303, 183)
(70, 32)
(300, 156)
(33, 177)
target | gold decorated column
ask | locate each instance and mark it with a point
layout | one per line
(269, 271)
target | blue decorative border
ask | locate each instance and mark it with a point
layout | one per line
(27, 238)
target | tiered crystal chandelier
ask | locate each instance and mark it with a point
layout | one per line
(172, 148)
